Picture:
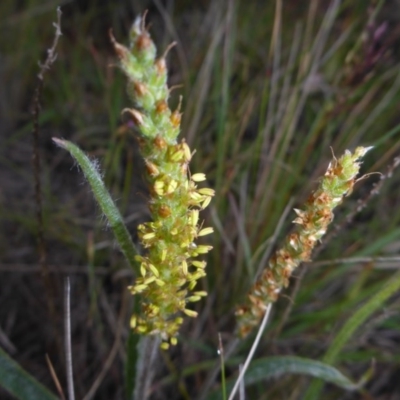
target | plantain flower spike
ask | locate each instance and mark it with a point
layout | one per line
(169, 269)
(312, 222)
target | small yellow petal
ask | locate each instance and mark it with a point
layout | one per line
(148, 236)
(141, 329)
(159, 187)
(190, 313)
(186, 151)
(184, 267)
(154, 270)
(197, 275)
(199, 264)
(149, 280)
(205, 231)
(206, 202)
(199, 177)
(196, 196)
(178, 155)
(139, 288)
(207, 191)
(172, 186)
(194, 217)
(192, 284)
(203, 249)
(164, 345)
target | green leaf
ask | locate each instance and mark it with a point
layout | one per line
(104, 199)
(270, 367)
(352, 324)
(130, 365)
(19, 383)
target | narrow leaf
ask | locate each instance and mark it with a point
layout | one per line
(272, 367)
(104, 199)
(352, 324)
(19, 383)
(131, 361)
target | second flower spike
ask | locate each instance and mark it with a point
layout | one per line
(312, 222)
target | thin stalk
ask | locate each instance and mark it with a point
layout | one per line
(252, 351)
(67, 338)
(221, 355)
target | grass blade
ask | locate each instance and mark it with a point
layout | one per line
(272, 367)
(130, 370)
(19, 383)
(352, 324)
(103, 198)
